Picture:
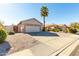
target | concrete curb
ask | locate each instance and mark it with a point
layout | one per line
(56, 53)
(71, 50)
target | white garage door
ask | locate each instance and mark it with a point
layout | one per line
(32, 28)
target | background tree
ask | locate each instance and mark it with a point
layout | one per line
(44, 13)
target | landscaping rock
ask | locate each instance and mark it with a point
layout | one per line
(20, 41)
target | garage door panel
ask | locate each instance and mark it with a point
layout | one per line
(32, 28)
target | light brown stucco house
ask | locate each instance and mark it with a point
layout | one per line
(30, 25)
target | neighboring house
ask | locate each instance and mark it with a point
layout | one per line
(52, 26)
(63, 26)
(9, 28)
(30, 25)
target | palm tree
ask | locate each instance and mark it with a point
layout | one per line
(44, 13)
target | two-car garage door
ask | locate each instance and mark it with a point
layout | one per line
(32, 29)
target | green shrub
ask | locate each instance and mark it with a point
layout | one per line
(72, 30)
(46, 29)
(11, 33)
(75, 25)
(3, 35)
(66, 30)
(43, 29)
(56, 30)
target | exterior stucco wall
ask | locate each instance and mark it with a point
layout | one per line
(20, 28)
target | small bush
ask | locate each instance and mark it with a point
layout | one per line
(66, 30)
(46, 29)
(75, 25)
(73, 30)
(43, 29)
(3, 35)
(70, 30)
(56, 30)
(11, 33)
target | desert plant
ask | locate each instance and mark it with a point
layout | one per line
(3, 35)
(56, 30)
(66, 30)
(73, 30)
(11, 33)
(75, 25)
(46, 29)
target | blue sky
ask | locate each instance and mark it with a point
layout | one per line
(59, 13)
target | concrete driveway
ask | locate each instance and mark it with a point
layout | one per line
(50, 42)
(58, 40)
(43, 34)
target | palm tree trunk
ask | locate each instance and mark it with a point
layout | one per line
(44, 23)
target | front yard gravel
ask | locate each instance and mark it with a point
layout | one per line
(16, 43)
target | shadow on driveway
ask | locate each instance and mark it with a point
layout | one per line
(4, 48)
(43, 34)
